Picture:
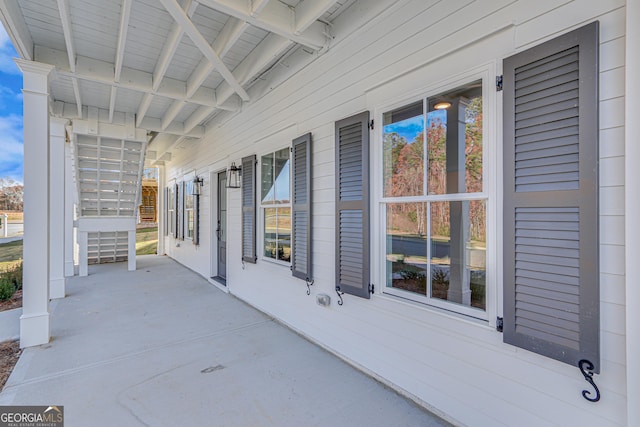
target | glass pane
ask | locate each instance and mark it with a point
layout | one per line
(284, 234)
(270, 232)
(277, 233)
(189, 223)
(458, 252)
(407, 247)
(282, 175)
(403, 158)
(266, 170)
(454, 140)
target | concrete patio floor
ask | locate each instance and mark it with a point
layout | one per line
(162, 347)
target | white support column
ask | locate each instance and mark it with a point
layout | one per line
(69, 189)
(34, 322)
(161, 209)
(132, 250)
(632, 209)
(57, 223)
(83, 243)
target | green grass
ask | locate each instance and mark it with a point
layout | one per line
(10, 254)
(147, 241)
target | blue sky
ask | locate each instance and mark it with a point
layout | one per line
(11, 134)
(412, 127)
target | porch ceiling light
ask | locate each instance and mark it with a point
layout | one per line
(197, 185)
(233, 176)
(442, 105)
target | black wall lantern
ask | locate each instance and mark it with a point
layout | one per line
(233, 176)
(197, 190)
(197, 185)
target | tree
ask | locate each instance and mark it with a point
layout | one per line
(11, 195)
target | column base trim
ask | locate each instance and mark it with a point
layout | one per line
(57, 288)
(35, 329)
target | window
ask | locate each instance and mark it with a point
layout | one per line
(188, 209)
(434, 200)
(275, 205)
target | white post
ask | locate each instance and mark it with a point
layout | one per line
(69, 191)
(160, 205)
(34, 322)
(57, 281)
(632, 209)
(132, 249)
(4, 218)
(83, 243)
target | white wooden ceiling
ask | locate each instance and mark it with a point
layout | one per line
(174, 64)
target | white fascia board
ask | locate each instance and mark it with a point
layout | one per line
(13, 21)
(109, 130)
(106, 223)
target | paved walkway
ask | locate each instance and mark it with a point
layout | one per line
(162, 347)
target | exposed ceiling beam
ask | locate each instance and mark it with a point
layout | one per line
(275, 17)
(271, 47)
(112, 102)
(170, 46)
(13, 21)
(257, 6)
(197, 117)
(92, 70)
(165, 155)
(171, 113)
(201, 43)
(230, 33)
(308, 12)
(143, 108)
(122, 37)
(76, 93)
(65, 17)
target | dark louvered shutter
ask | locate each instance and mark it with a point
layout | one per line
(176, 217)
(249, 209)
(166, 211)
(352, 205)
(301, 259)
(181, 211)
(551, 290)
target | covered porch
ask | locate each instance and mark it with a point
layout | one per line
(162, 346)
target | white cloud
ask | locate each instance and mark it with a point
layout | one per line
(11, 147)
(7, 53)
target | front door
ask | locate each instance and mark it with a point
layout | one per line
(221, 230)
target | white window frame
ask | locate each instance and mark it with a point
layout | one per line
(261, 208)
(491, 162)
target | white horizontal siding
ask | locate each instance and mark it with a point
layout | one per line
(461, 367)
